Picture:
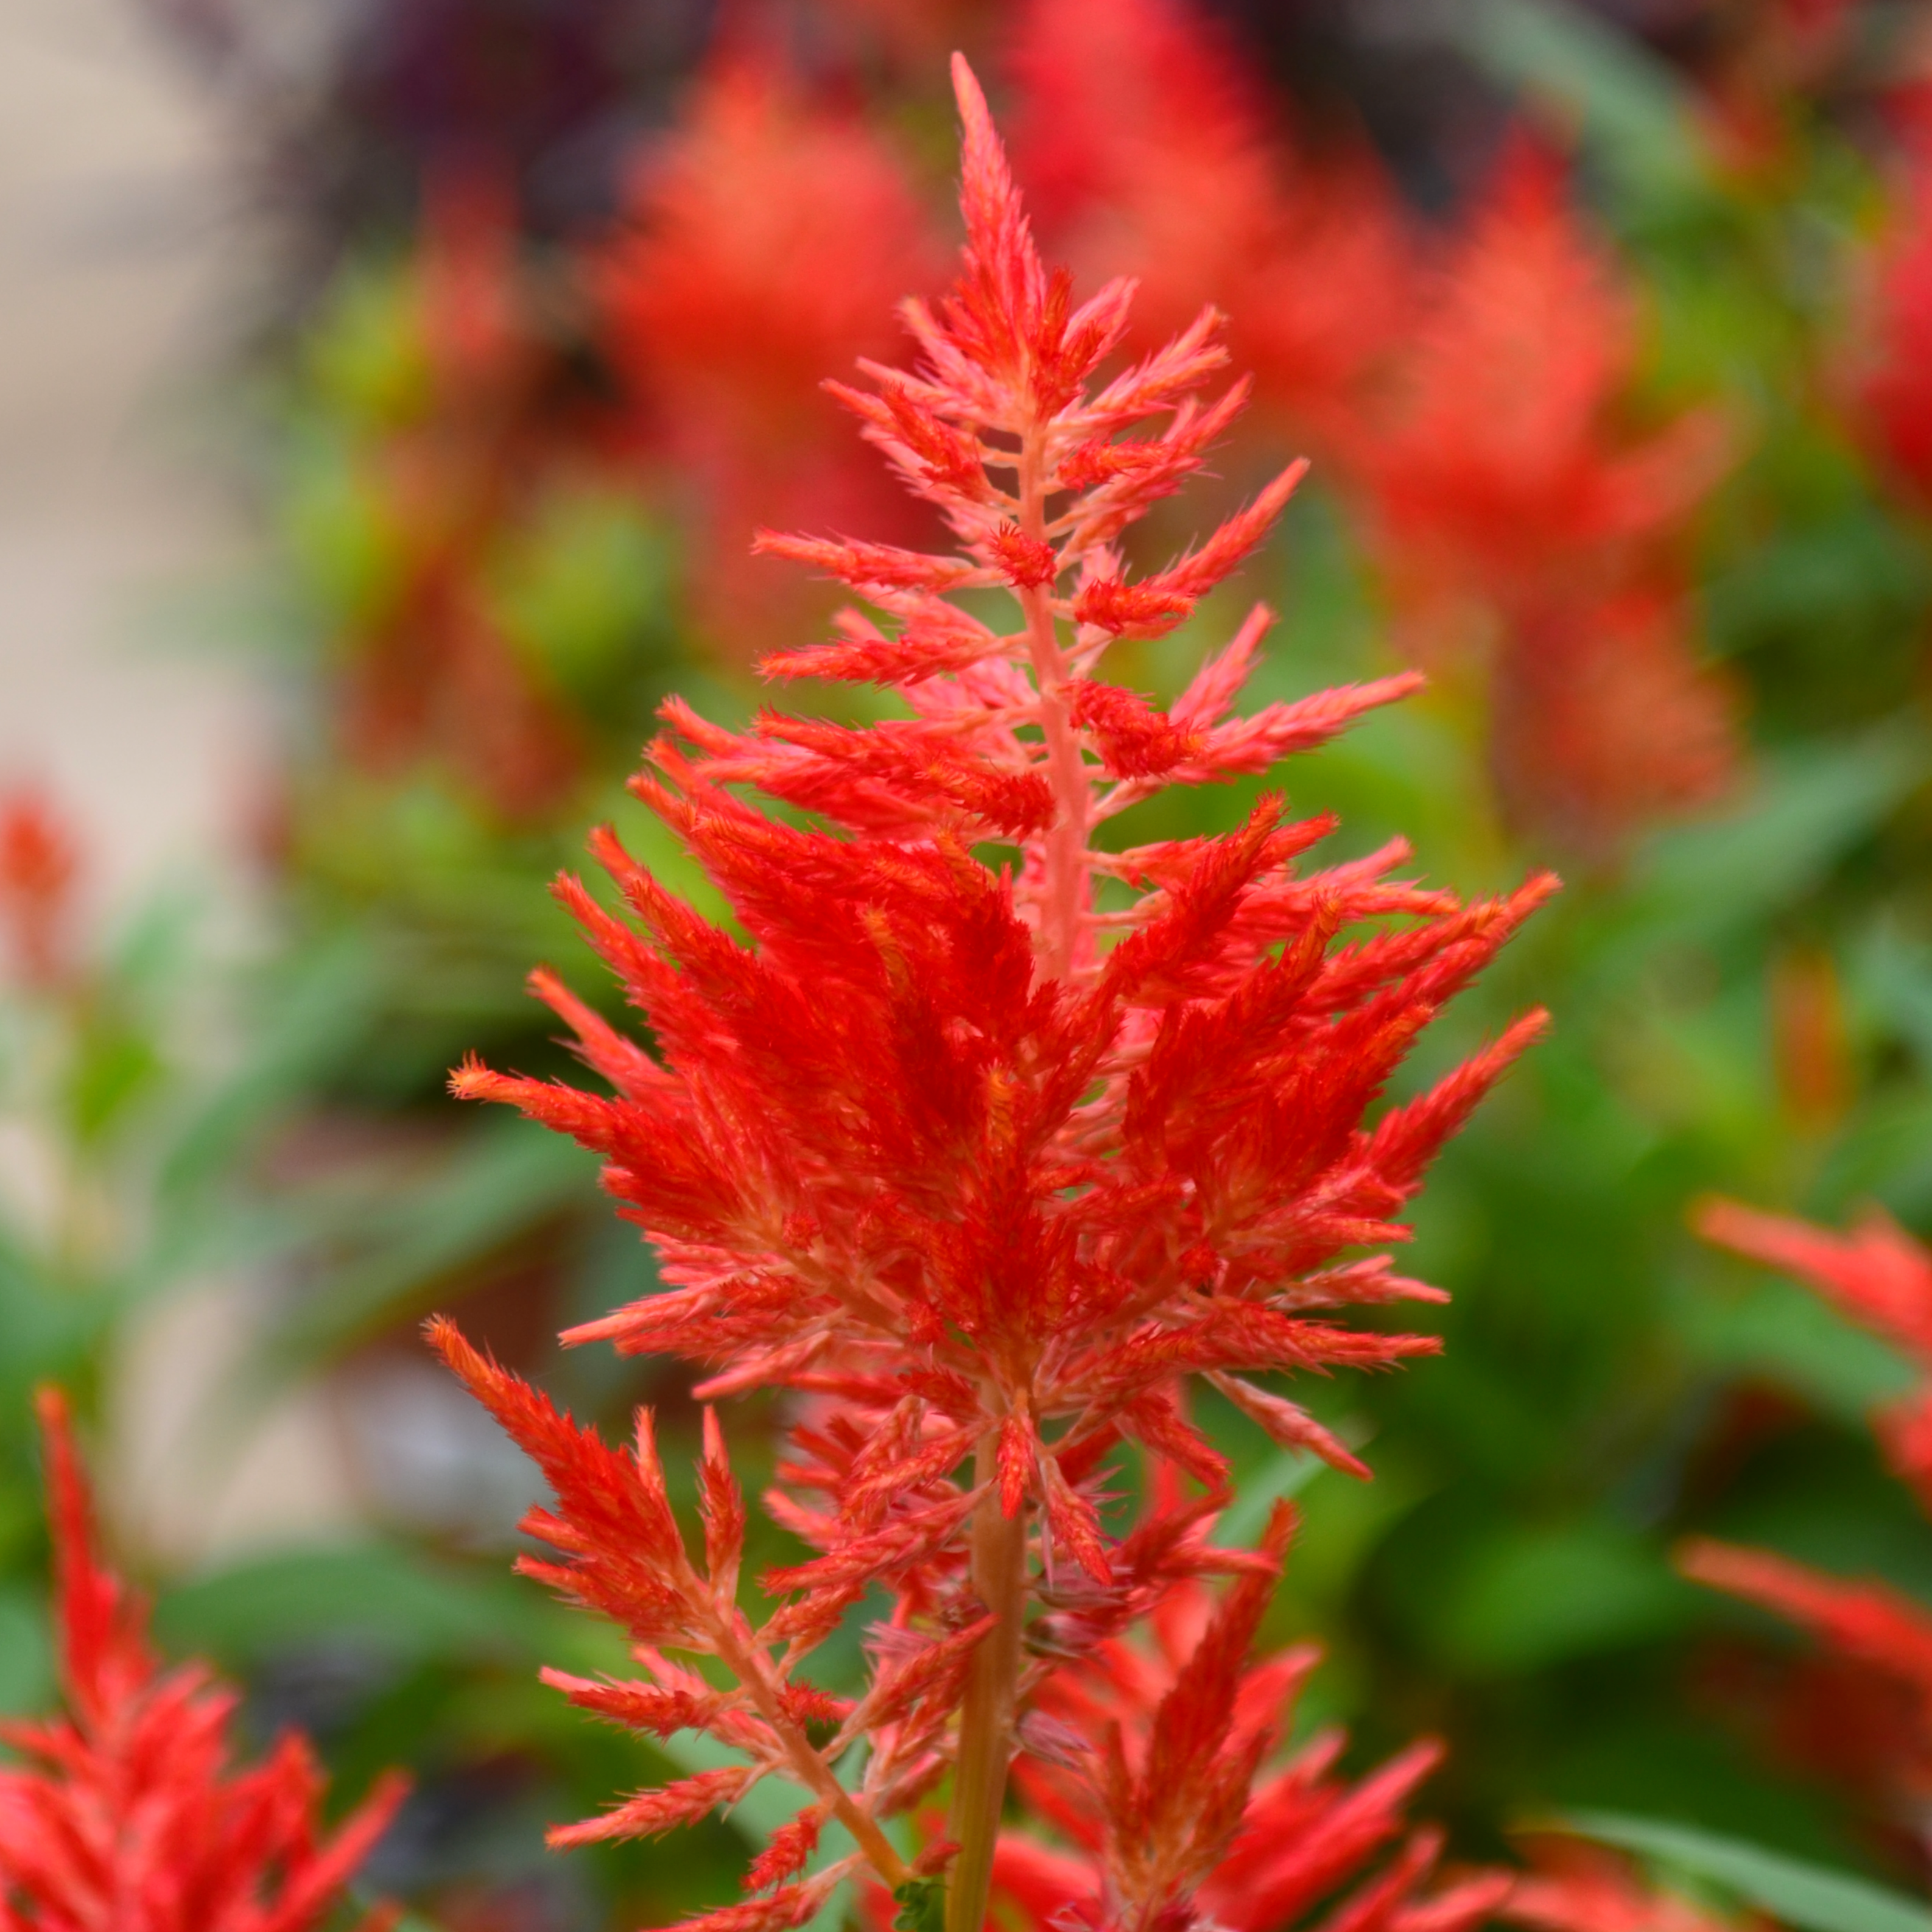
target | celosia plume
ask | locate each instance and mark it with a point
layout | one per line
(1868, 1622)
(766, 242)
(430, 672)
(1516, 519)
(1149, 152)
(1892, 389)
(1877, 1276)
(125, 1813)
(989, 1158)
(1881, 1278)
(1579, 1887)
(1148, 1761)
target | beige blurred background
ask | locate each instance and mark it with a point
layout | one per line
(128, 260)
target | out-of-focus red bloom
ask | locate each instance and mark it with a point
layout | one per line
(1601, 719)
(1765, 57)
(989, 1159)
(1148, 1761)
(768, 242)
(1579, 1887)
(40, 862)
(1892, 392)
(1147, 152)
(126, 1814)
(1868, 1622)
(1832, 1718)
(1880, 1276)
(1514, 514)
(1811, 1053)
(430, 672)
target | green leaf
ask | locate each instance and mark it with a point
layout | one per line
(306, 1017)
(1529, 1597)
(921, 1906)
(1635, 113)
(397, 1603)
(1284, 1474)
(1810, 1897)
(1787, 1334)
(26, 1654)
(1811, 809)
(507, 1175)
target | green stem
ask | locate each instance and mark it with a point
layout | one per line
(986, 1717)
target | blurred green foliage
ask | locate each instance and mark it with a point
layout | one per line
(1506, 1581)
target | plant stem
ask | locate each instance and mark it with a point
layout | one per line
(752, 1669)
(1065, 894)
(986, 1717)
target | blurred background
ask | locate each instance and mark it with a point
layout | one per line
(391, 389)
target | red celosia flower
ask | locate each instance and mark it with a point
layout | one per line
(1601, 719)
(1579, 1887)
(769, 241)
(1149, 153)
(1758, 67)
(1875, 1626)
(125, 1814)
(1503, 495)
(430, 672)
(39, 862)
(989, 1159)
(1880, 1277)
(1145, 1757)
(1893, 391)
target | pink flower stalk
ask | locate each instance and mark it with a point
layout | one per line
(988, 1159)
(125, 1813)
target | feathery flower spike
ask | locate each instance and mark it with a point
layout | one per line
(1506, 500)
(1878, 1276)
(1149, 152)
(124, 1812)
(1891, 390)
(1152, 1773)
(766, 240)
(985, 1161)
(1579, 1887)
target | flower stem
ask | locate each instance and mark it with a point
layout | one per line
(752, 1669)
(986, 1717)
(1066, 884)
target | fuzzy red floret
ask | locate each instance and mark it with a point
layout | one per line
(1867, 1622)
(1522, 524)
(1878, 1276)
(1878, 1641)
(124, 1812)
(1578, 1887)
(1153, 1777)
